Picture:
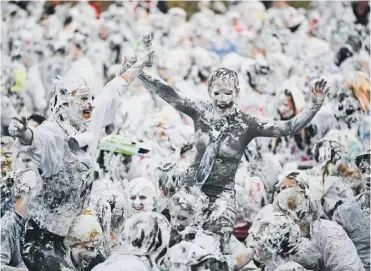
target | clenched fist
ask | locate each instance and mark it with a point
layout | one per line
(18, 128)
(137, 68)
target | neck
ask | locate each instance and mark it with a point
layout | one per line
(79, 126)
(228, 114)
(19, 207)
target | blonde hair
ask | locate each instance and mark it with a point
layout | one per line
(359, 84)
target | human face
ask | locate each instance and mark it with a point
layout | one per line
(160, 133)
(180, 218)
(118, 218)
(141, 199)
(103, 32)
(295, 203)
(6, 155)
(83, 104)
(6, 161)
(286, 107)
(346, 109)
(82, 254)
(287, 183)
(223, 95)
(364, 167)
(79, 106)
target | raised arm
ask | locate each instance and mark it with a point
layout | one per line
(18, 129)
(109, 100)
(170, 95)
(270, 128)
(44, 144)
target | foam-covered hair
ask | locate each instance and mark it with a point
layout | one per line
(224, 74)
(278, 233)
(143, 184)
(146, 234)
(190, 198)
(85, 228)
(363, 156)
(65, 86)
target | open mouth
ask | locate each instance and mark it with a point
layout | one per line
(5, 165)
(86, 113)
(180, 228)
(225, 106)
(138, 208)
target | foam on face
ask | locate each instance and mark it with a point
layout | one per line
(143, 195)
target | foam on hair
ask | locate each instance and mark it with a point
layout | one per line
(223, 73)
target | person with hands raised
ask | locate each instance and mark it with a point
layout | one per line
(222, 133)
(59, 149)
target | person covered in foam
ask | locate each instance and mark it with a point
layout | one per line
(324, 244)
(145, 240)
(143, 195)
(83, 242)
(354, 215)
(222, 134)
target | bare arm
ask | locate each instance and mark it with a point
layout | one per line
(271, 128)
(293, 126)
(170, 95)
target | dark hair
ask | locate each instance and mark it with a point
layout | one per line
(100, 158)
(67, 21)
(37, 118)
(226, 73)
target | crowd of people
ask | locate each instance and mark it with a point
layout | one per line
(140, 138)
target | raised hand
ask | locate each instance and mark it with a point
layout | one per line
(127, 62)
(17, 127)
(143, 58)
(320, 91)
(137, 68)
